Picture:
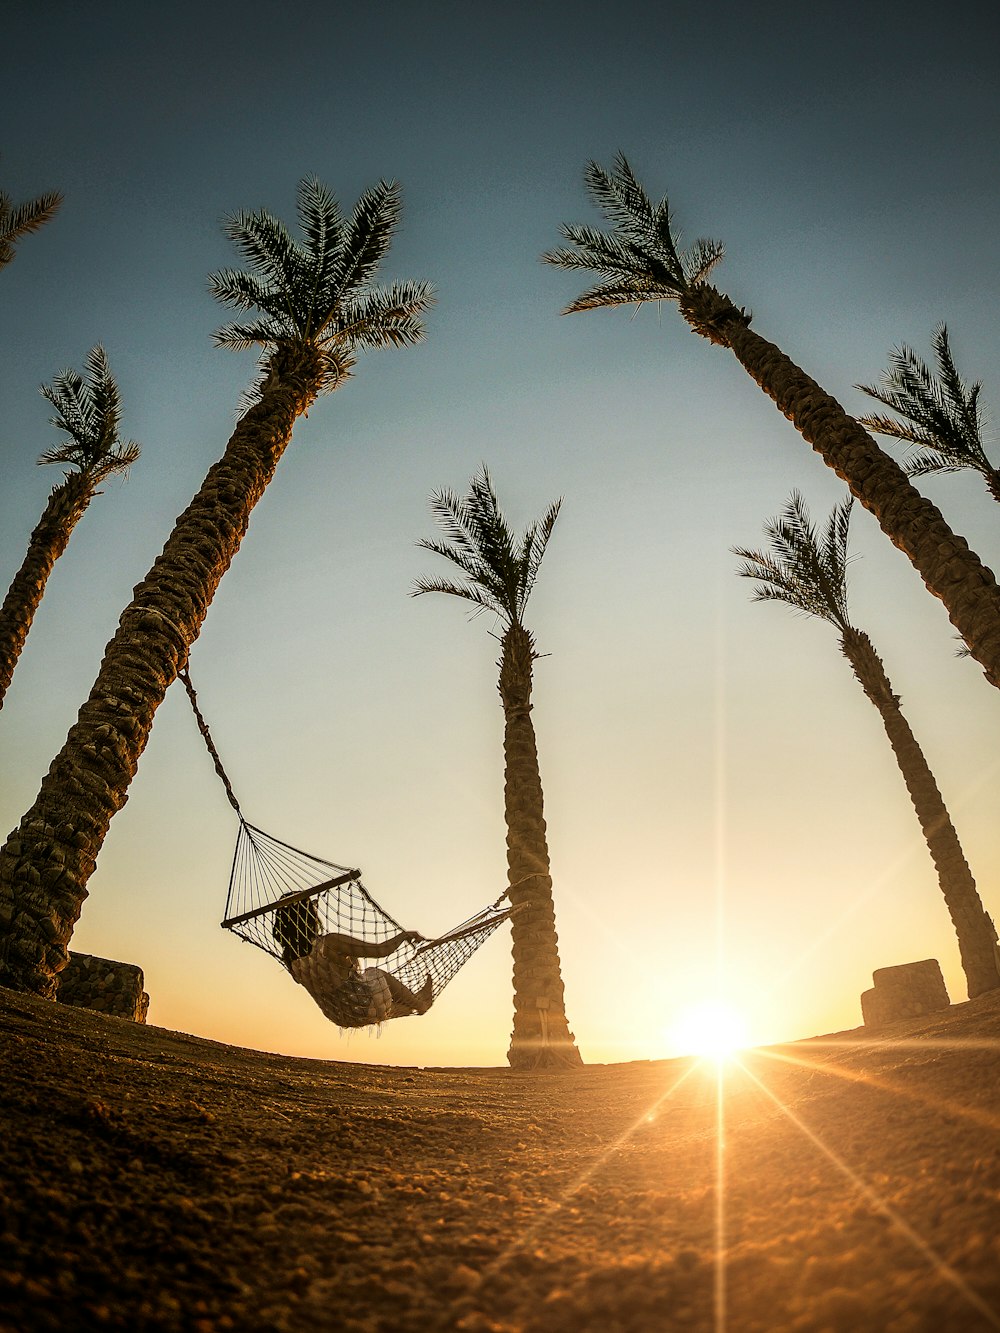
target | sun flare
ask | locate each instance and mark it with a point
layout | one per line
(712, 1029)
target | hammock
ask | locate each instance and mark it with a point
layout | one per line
(293, 905)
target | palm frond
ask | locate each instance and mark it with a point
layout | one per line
(477, 541)
(336, 364)
(118, 460)
(802, 569)
(17, 220)
(896, 428)
(323, 228)
(102, 406)
(598, 250)
(499, 571)
(265, 245)
(468, 544)
(645, 226)
(641, 259)
(495, 541)
(318, 292)
(383, 316)
(929, 462)
(536, 539)
(66, 394)
(67, 455)
(937, 411)
(368, 235)
(480, 585)
(320, 219)
(480, 600)
(620, 197)
(87, 407)
(616, 293)
(244, 291)
(834, 556)
(962, 400)
(449, 512)
(701, 259)
(253, 333)
(88, 410)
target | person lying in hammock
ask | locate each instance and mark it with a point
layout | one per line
(328, 967)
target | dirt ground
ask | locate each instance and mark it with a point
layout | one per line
(151, 1180)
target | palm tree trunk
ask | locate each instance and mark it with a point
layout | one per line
(47, 861)
(977, 936)
(62, 512)
(950, 570)
(541, 1036)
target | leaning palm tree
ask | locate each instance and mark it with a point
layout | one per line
(641, 260)
(499, 573)
(941, 415)
(311, 306)
(809, 572)
(17, 220)
(88, 411)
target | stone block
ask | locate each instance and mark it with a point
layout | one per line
(89, 982)
(905, 991)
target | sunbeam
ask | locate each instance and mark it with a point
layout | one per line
(937, 1264)
(719, 1035)
(720, 1198)
(716, 1036)
(526, 1237)
(983, 1118)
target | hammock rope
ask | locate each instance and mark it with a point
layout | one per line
(298, 907)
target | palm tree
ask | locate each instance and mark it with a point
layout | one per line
(498, 574)
(88, 410)
(640, 260)
(942, 416)
(809, 572)
(311, 306)
(17, 220)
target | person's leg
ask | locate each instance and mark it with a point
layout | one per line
(405, 1001)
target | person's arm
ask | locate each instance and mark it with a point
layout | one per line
(369, 948)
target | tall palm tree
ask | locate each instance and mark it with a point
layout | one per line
(498, 574)
(640, 260)
(941, 415)
(88, 410)
(311, 307)
(809, 572)
(17, 220)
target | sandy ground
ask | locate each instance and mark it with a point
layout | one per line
(151, 1180)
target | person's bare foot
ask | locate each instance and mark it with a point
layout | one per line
(425, 996)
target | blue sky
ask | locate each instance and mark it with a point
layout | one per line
(694, 747)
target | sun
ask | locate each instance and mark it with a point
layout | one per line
(712, 1029)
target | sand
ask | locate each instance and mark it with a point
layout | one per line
(152, 1180)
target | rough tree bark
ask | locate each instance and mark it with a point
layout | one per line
(977, 936)
(541, 1036)
(63, 510)
(949, 569)
(47, 861)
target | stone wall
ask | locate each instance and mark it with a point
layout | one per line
(88, 982)
(906, 991)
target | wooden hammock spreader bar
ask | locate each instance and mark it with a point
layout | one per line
(293, 898)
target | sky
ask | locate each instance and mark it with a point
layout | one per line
(722, 804)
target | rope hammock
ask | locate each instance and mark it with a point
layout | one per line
(305, 911)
